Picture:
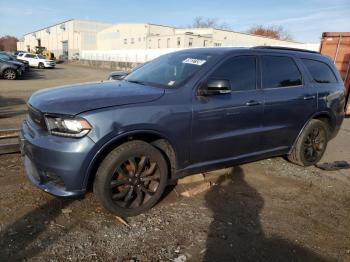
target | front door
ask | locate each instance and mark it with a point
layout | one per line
(227, 126)
(65, 49)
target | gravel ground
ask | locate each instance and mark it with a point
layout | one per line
(268, 210)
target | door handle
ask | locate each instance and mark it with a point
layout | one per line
(252, 103)
(309, 97)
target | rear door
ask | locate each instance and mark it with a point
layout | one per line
(228, 126)
(30, 58)
(290, 100)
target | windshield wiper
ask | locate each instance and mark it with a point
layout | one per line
(136, 82)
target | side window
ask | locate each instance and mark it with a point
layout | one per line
(279, 71)
(320, 72)
(4, 57)
(241, 71)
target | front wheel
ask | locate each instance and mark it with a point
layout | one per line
(311, 144)
(41, 65)
(10, 74)
(131, 179)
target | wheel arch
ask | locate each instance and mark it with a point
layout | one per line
(323, 116)
(150, 136)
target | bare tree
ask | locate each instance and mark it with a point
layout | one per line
(273, 31)
(205, 22)
(8, 43)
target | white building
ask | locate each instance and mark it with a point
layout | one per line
(151, 36)
(75, 36)
(65, 38)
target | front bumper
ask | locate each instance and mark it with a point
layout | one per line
(50, 64)
(55, 164)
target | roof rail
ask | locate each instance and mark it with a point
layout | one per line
(284, 48)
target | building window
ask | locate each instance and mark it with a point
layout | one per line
(205, 43)
(217, 44)
(139, 39)
(132, 41)
(179, 41)
(190, 42)
(159, 43)
(168, 43)
(125, 41)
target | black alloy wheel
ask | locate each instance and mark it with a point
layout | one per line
(131, 179)
(314, 144)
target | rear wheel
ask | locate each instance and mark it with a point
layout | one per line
(10, 74)
(131, 179)
(311, 144)
(41, 65)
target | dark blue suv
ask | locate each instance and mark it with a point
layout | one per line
(182, 113)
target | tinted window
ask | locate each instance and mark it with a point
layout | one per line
(320, 71)
(279, 71)
(4, 57)
(29, 56)
(241, 71)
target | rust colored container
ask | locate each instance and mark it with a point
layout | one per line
(337, 46)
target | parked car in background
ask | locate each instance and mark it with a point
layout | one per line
(185, 112)
(10, 70)
(75, 56)
(118, 75)
(62, 58)
(8, 57)
(39, 61)
(19, 55)
(16, 53)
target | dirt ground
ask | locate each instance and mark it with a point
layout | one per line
(268, 210)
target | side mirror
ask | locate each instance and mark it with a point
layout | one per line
(215, 87)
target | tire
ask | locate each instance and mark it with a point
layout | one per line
(131, 179)
(10, 74)
(41, 65)
(311, 144)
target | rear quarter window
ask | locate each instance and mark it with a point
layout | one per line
(320, 72)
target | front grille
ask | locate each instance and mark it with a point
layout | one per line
(37, 117)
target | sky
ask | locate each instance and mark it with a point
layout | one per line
(305, 20)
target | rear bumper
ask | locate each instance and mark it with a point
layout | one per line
(57, 165)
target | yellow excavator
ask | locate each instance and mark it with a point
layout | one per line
(41, 50)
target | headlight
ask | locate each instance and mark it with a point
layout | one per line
(66, 126)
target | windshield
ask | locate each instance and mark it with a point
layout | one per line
(170, 70)
(41, 57)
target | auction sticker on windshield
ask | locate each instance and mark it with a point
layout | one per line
(194, 61)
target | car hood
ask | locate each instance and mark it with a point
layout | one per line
(75, 99)
(17, 63)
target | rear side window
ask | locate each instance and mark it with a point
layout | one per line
(320, 72)
(280, 71)
(241, 71)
